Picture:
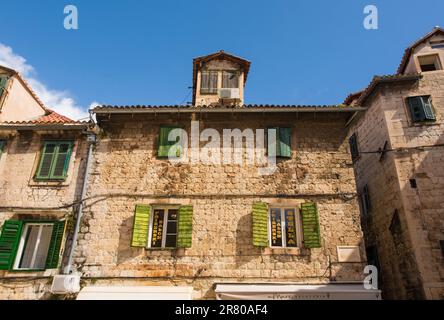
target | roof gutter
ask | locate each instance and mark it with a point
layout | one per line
(225, 110)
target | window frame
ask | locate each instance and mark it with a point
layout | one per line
(298, 222)
(437, 62)
(51, 176)
(423, 120)
(166, 208)
(23, 241)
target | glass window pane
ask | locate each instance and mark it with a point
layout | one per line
(42, 250)
(171, 227)
(172, 214)
(170, 241)
(290, 228)
(157, 230)
(36, 248)
(276, 227)
(28, 251)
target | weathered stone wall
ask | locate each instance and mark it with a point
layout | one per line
(21, 197)
(417, 270)
(126, 172)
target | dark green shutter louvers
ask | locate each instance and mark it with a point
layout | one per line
(428, 109)
(141, 226)
(58, 231)
(185, 227)
(310, 225)
(165, 144)
(54, 160)
(260, 224)
(421, 109)
(283, 143)
(3, 82)
(9, 240)
(354, 150)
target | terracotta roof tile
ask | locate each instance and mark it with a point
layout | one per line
(51, 117)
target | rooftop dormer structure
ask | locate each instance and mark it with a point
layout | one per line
(425, 55)
(219, 79)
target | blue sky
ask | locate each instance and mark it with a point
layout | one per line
(140, 52)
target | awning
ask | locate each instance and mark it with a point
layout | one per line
(295, 292)
(136, 293)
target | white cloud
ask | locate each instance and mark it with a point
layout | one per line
(60, 101)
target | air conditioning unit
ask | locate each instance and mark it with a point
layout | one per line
(64, 284)
(232, 93)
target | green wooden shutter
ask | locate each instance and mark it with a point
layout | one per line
(58, 232)
(3, 82)
(61, 160)
(260, 224)
(428, 108)
(284, 136)
(46, 160)
(310, 225)
(165, 144)
(416, 108)
(9, 240)
(354, 150)
(185, 227)
(141, 226)
(270, 152)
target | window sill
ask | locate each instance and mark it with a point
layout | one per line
(48, 183)
(424, 123)
(284, 251)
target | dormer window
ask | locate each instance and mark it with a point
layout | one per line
(429, 63)
(208, 84)
(230, 79)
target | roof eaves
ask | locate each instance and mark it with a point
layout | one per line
(377, 80)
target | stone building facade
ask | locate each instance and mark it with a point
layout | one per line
(37, 192)
(399, 156)
(153, 227)
(230, 206)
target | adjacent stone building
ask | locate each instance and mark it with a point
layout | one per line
(41, 173)
(398, 151)
(222, 229)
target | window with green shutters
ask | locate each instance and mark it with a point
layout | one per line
(163, 227)
(3, 83)
(54, 160)
(31, 245)
(310, 225)
(282, 145)
(421, 109)
(165, 144)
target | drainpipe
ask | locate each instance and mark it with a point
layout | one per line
(91, 139)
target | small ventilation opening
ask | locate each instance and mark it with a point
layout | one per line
(413, 184)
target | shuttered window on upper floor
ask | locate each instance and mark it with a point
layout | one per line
(208, 83)
(54, 160)
(421, 108)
